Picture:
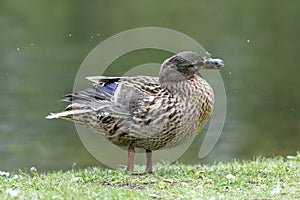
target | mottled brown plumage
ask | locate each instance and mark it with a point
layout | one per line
(147, 112)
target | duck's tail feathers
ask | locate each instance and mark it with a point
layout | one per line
(91, 98)
(68, 114)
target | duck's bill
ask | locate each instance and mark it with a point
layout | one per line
(213, 63)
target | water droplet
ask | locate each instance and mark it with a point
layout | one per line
(31, 44)
(292, 109)
(18, 49)
(98, 34)
(248, 41)
(92, 37)
(70, 35)
(229, 73)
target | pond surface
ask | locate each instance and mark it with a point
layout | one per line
(43, 45)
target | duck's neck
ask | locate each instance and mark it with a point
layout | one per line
(182, 88)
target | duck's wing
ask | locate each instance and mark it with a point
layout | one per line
(102, 79)
(119, 97)
(94, 98)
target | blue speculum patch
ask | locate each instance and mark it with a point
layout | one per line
(110, 88)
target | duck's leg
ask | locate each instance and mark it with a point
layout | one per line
(149, 161)
(130, 164)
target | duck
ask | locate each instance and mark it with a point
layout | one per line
(146, 112)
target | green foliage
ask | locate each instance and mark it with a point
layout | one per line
(263, 178)
(296, 158)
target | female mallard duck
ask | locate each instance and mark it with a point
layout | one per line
(147, 112)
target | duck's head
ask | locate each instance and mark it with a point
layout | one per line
(184, 65)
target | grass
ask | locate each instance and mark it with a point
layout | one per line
(263, 178)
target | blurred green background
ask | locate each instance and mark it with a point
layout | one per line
(43, 44)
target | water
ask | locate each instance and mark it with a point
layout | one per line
(42, 49)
